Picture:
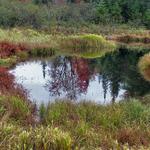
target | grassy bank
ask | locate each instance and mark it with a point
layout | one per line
(68, 125)
(19, 44)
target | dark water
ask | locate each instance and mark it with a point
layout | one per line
(103, 80)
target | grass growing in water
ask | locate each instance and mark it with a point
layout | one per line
(144, 66)
(89, 45)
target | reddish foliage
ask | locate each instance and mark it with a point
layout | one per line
(8, 49)
(10, 88)
(6, 79)
(8, 85)
(133, 137)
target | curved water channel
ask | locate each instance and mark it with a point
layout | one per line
(103, 80)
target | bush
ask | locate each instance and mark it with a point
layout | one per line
(144, 66)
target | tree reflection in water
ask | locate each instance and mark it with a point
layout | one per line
(71, 76)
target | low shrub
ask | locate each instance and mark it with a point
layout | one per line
(9, 49)
(144, 66)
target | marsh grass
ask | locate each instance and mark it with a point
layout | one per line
(16, 137)
(92, 124)
(144, 66)
(15, 108)
(88, 45)
(133, 38)
(70, 125)
(108, 117)
(7, 62)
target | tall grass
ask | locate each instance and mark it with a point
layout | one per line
(15, 137)
(70, 125)
(15, 108)
(92, 124)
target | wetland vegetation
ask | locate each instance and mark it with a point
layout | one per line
(74, 75)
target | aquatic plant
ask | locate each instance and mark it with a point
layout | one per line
(88, 45)
(144, 66)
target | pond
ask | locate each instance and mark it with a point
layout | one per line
(103, 80)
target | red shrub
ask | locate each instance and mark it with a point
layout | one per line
(133, 137)
(7, 49)
(6, 80)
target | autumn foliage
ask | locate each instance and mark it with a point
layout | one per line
(8, 49)
(8, 85)
(6, 79)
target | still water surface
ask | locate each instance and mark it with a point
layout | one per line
(102, 80)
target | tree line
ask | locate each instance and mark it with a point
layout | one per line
(46, 13)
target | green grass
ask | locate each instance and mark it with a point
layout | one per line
(88, 45)
(15, 137)
(92, 124)
(70, 125)
(15, 108)
(107, 117)
(8, 61)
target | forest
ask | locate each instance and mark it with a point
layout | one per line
(47, 13)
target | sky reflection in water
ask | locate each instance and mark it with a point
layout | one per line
(102, 80)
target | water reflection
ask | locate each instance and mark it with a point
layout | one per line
(103, 79)
(69, 76)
